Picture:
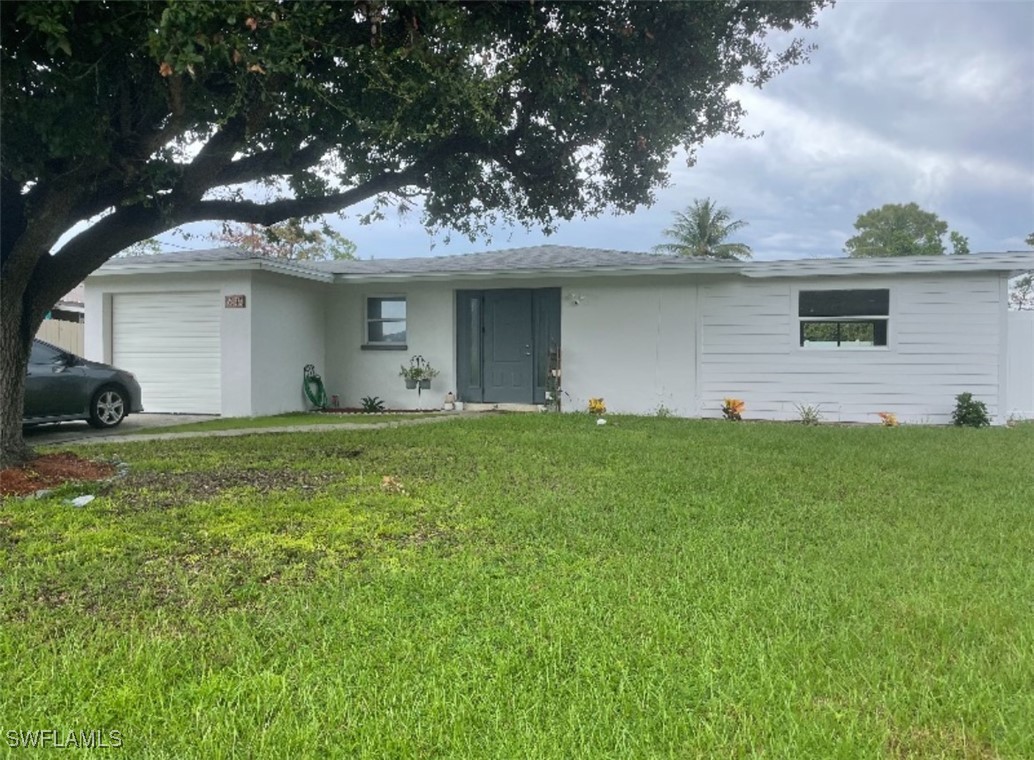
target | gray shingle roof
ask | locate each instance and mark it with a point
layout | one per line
(208, 254)
(536, 258)
(558, 259)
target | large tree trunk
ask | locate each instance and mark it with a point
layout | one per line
(17, 328)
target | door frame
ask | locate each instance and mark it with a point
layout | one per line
(470, 340)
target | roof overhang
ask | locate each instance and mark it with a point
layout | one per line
(140, 265)
(699, 268)
(1011, 263)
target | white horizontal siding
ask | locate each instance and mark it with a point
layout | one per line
(1020, 365)
(943, 333)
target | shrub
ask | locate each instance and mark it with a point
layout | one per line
(596, 406)
(969, 412)
(372, 404)
(809, 415)
(733, 409)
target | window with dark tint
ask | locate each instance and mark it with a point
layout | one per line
(42, 354)
(386, 321)
(843, 318)
(845, 303)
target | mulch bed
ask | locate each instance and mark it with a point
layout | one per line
(357, 410)
(50, 471)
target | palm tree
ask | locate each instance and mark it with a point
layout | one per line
(701, 231)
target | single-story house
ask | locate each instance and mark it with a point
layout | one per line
(226, 332)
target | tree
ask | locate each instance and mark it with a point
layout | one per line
(959, 243)
(702, 230)
(902, 230)
(1021, 293)
(1030, 240)
(289, 239)
(144, 116)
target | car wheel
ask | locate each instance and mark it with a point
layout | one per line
(108, 407)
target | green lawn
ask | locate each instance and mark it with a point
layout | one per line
(284, 420)
(543, 588)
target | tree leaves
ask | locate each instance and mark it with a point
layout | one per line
(902, 230)
(701, 232)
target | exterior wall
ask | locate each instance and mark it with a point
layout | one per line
(631, 342)
(642, 343)
(287, 332)
(944, 337)
(353, 372)
(235, 324)
(1020, 365)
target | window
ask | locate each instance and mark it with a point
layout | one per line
(43, 354)
(843, 318)
(386, 322)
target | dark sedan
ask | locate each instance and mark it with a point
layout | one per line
(60, 386)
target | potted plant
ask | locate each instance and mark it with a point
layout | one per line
(418, 374)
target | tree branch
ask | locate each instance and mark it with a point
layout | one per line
(277, 211)
(200, 174)
(272, 163)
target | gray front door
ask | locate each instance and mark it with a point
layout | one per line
(508, 360)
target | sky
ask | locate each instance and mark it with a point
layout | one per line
(931, 102)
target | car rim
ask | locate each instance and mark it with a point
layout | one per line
(109, 408)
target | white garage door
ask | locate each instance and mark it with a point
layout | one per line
(170, 341)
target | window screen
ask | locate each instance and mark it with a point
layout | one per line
(843, 318)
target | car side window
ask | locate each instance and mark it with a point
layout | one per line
(42, 354)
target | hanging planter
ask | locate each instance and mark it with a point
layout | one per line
(418, 374)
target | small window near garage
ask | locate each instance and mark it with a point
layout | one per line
(386, 322)
(844, 318)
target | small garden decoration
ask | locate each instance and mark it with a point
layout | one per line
(733, 409)
(596, 406)
(888, 419)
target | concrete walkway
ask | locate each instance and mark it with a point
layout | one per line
(76, 432)
(317, 428)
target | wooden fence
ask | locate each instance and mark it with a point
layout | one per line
(66, 335)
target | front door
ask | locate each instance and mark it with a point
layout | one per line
(503, 340)
(509, 367)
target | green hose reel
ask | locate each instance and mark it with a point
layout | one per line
(313, 387)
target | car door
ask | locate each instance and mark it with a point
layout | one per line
(54, 386)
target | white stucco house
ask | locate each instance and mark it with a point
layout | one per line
(224, 332)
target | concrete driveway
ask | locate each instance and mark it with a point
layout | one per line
(67, 432)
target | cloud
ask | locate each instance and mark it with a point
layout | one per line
(931, 102)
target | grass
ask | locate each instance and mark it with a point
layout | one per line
(536, 586)
(285, 420)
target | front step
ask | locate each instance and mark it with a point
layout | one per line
(470, 407)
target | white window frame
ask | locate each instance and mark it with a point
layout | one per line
(367, 321)
(889, 318)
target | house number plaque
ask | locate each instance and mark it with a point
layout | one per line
(234, 302)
